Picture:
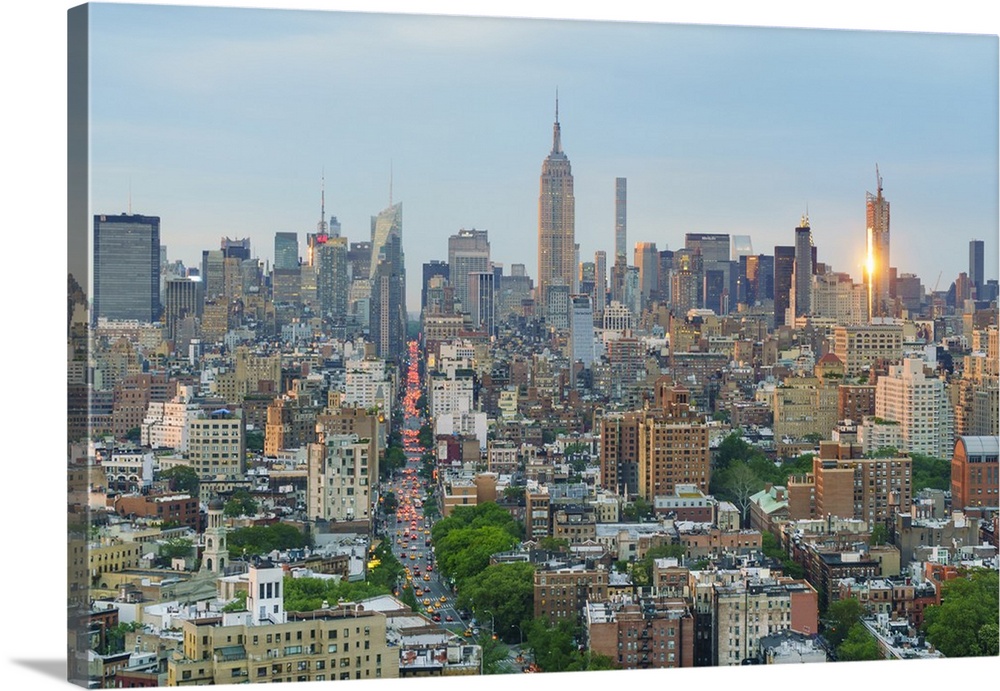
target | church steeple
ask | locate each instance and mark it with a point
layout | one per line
(556, 136)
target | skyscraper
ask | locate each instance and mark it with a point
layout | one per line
(556, 220)
(784, 268)
(468, 251)
(621, 243)
(877, 224)
(976, 264)
(332, 282)
(389, 223)
(286, 250)
(803, 269)
(387, 305)
(600, 295)
(127, 267)
(647, 259)
(435, 267)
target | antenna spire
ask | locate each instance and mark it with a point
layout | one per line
(556, 134)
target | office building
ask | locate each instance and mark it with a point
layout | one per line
(556, 222)
(976, 265)
(286, 251)
(803, 269)
(784, 270)
(647, 259)
(877, 225)
(861, 346)
(386, 225)
(332, 279)
(182, 299)
(482, 289)
(468, 251)
(599, 296)
(387, 318)
(434, 267)
(126, 270)
(582, 330)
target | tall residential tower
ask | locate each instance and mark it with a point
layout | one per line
(877, 224)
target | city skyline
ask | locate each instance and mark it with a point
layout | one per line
(710, 139)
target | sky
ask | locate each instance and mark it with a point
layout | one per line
(34, 194)
(230, 122)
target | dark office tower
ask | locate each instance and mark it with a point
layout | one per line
(784, 269)
(182, 299)
(468, 251)
(387, 307)
(213, 274)
(556, 221)
(764, 284)
(621, 241)
(714, 247)
(587, 279)
(286, 251)
(332, 278)
(599, 296)
(434, 267)
(877, 224)
(359, 255)
(976, 265)
(483, 299)
(235, 249)
(804, 268)
(664, 274)
(127, 267)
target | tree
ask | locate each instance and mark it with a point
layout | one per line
(182, 478)
(513, 493)
(255, 440)
(506, 591)
(241, 503)
(175, 548)
(257, 540)
(840, 617)
(637, 510)
(554, 544)
(859, 645)
(553, 647)
(965, 624)
(237, 604)
(879, 535)
(494, 654)
(740, 485)
(930, 472)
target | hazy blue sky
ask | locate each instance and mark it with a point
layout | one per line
(222, 121)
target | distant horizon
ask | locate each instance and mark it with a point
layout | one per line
(717, 130)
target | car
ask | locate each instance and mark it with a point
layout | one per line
(427, 577)
(449, 618)
(427, 601)
(468, 633)
(437, 617)
(430, 567)
(443, 599)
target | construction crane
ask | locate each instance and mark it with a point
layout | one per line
(937, 282)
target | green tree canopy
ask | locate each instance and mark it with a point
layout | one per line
(308, 594)
(840, 617)
(965, 624)
(255, 440)
(258, 540)
(637, 510)
(241, 503)
(859, 645)
(176, 548)
(465, 552)
(930, 473)
(505, 590)
(182, 478)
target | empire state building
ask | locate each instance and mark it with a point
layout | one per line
(556, 237)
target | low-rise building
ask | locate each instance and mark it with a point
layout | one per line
(642, 633)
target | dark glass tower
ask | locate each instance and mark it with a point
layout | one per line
(127, 267)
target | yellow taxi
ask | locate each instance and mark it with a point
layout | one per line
(427, 601)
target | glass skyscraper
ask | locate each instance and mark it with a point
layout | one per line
(127, 267)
